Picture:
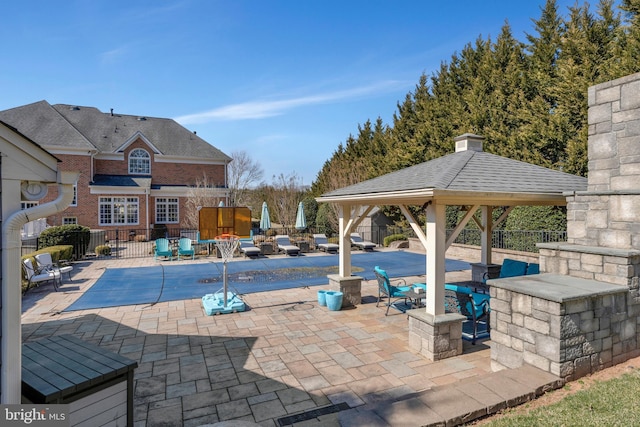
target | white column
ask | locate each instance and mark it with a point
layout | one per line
(344, 216)
(487, 231)
(436, 238)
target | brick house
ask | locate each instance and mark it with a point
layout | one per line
(135, 171)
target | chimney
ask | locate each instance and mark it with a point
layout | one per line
(468, 142)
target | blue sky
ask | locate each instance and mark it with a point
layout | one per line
(285, 81)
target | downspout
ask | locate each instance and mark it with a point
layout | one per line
(11, 381)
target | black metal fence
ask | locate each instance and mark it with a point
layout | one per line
(135, 243)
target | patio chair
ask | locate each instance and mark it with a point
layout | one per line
(248, 249)
(162, 249)
(185, 248)
(474, 306)
(358, 242)
(390, 289)
(45, 261)
(322, 243)
(533, 268)
(285, 245)
(35, 275)
(510, 268)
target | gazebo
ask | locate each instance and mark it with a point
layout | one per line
(469, 177)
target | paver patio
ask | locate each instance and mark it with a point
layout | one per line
(284, 356)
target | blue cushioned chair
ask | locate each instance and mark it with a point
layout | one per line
(510, 268)
(185, 248)
(162, 249)
(533, 268)
(474, 306)
(391, 291)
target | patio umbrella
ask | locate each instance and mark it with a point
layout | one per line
(301, 221)
(265, 222)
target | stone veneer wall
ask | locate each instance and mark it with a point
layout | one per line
(596, 324)
(607, 216)
(569, 339)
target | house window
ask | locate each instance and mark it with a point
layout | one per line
(69, 220)
(118, 210)
(139, 162)
(167, 210)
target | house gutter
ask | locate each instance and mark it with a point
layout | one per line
(10, 373)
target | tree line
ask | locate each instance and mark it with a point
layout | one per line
(527, 98)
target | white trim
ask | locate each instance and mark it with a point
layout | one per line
(109, 156)
(171, 191)
(105, 190)
(133, 139)
(194, 160)
(73, 151)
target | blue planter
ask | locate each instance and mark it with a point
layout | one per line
(334, 300)
(322, 300)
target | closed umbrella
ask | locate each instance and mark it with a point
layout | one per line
(265, 222)
(301, 221)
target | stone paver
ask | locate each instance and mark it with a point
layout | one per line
(284, 356)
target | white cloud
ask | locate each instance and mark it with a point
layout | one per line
(113, 55)
(265, 108)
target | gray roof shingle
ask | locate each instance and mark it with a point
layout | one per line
(470, 170)
(71, 126)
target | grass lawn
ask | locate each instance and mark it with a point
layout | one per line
(606, 403)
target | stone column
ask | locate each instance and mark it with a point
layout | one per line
(351, 288)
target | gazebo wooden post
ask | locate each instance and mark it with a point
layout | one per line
(436, 238)
(433, 333)
(344, 221)
(350, 286)
(487, 231)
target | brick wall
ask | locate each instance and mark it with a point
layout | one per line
(163, 173)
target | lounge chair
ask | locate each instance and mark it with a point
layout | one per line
(322, 243)
(394, 290)
(356, 240)
(185, 248)
(472, 305)
(45, 261)
(284, 245)
(162, 249)
(35, 275)
(249, 249)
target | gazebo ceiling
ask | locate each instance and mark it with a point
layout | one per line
(468, 176)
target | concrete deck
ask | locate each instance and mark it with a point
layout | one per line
(285, 361)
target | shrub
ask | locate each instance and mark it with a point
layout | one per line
(103, 250)
(393, 238)
(77, 236)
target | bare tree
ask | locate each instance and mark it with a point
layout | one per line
(283, 197)
(243, 172)
(203, 194)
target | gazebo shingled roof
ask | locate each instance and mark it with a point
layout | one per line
(464, 172)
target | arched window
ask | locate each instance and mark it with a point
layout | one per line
(139, 162)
